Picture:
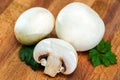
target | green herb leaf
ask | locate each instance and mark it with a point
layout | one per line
(104, 46)
(92, 52)
(95, 60)
(104, 60)
(101, 45)
(94, 56)
(34, 65)
(26, 55)
(111, 57)
(102, 54)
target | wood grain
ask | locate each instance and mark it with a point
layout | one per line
(11, 68)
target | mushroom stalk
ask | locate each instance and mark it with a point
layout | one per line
(53, 65)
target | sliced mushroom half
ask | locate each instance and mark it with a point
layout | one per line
(56, 55)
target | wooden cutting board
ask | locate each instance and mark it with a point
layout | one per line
(11, 68)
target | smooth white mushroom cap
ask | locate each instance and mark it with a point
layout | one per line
(80, 25)
(33, 25)
(59, 48)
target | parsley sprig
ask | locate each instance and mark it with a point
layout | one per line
(102, 54)
(26, 55)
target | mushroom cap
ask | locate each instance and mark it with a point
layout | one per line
(59, 48)
(80, 25)
(33, 25)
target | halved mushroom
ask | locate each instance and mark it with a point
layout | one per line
(56, 55)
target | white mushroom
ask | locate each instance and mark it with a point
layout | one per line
(33, 25)
(80, 25)
(56, 55)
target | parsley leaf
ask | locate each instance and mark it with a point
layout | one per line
(102, 54)
(104, 60)
(104, 46)
(94, 56)
(26, 55)
(111, 57)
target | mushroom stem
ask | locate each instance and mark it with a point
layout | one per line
(53, 65)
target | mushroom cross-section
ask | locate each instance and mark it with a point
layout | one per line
(56, 55)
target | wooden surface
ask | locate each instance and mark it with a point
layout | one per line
(11, 68)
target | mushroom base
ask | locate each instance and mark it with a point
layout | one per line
(53, 66)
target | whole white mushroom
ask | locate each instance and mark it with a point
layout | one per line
(33, 25)
(80, 25)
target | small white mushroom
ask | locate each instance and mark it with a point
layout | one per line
(33, 25)
(56, 55)
(80, 25)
